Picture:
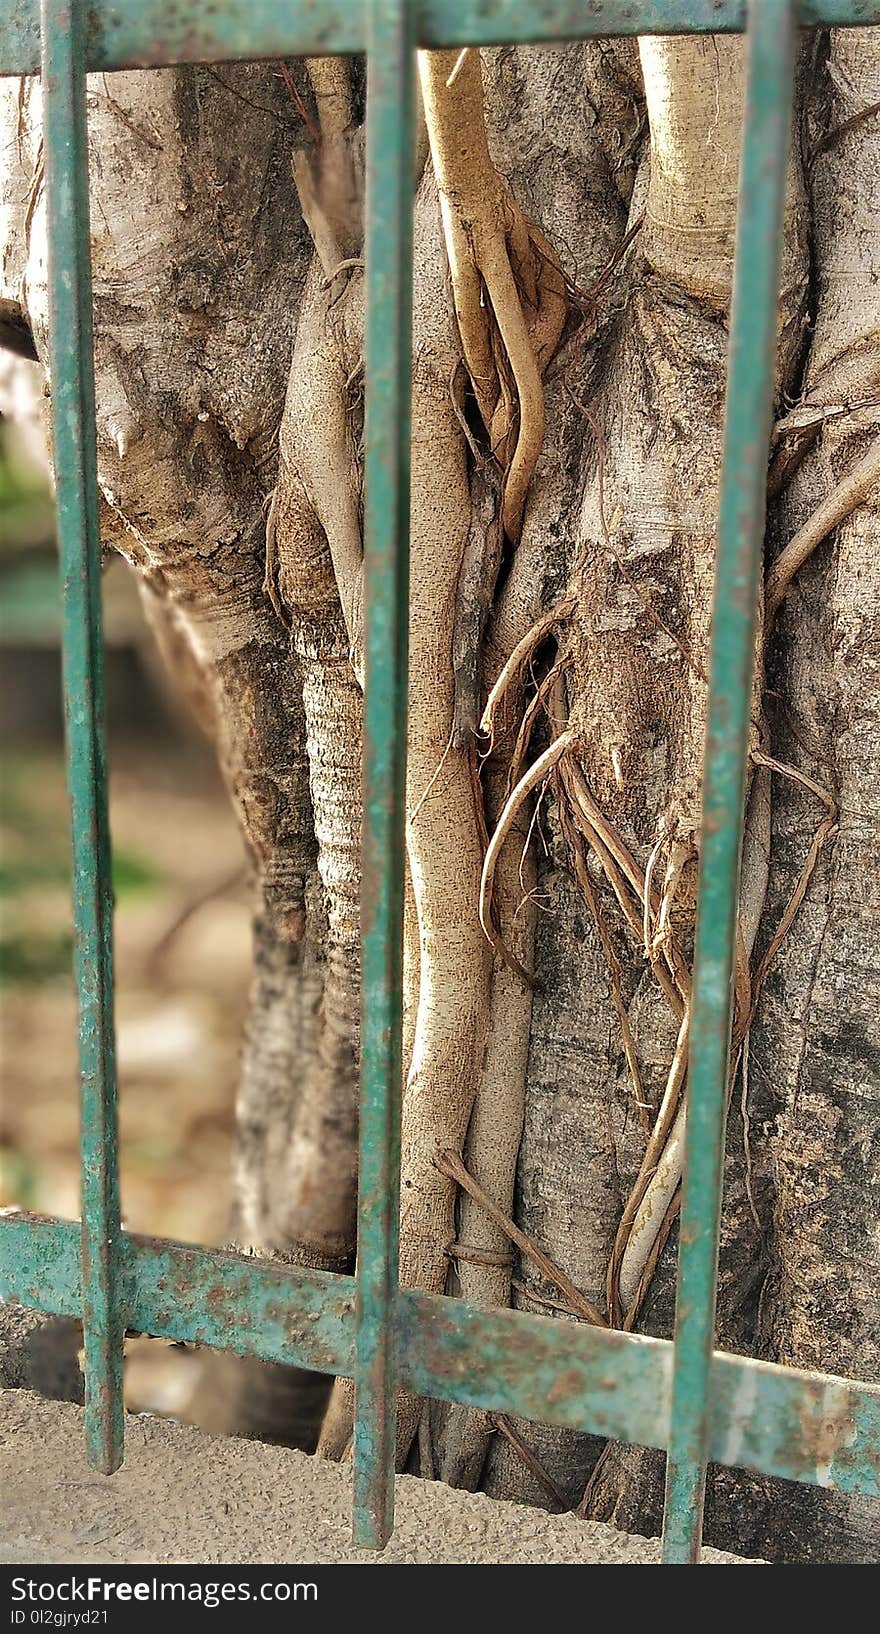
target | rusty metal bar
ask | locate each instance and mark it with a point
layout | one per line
(65, 144)
(768, 114)
(388, 325)
(152, 34)
(775, 1420)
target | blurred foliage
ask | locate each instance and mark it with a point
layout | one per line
(176, 849)
(132, 875)
(27, 510)
(35, 869)
(19, 1176)
(31, 959)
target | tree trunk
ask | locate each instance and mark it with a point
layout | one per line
(574, 221)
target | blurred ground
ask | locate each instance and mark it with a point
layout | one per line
(183, 1498)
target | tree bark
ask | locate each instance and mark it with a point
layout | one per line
(574, 236)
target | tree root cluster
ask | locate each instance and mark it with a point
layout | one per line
(510, 304)
(647, 911)
(512, 728)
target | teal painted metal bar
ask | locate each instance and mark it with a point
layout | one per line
(775, 1420)
(150, 33)
(281, 1313)
(65, 145)
(388, 344)
(768, 114)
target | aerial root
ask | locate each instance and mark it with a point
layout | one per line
(324, 178)
(627, 1323)
(623, 1252)
(648, 910)
(576, 852)
(605, 829)
(824, 831)
(650, 869)
(839, 504)
(680, 854)
(626, 880)
(500, 1422)
(646, 1278)
(508, 289)
(585, 1506)
(648, 913)
(524, 650)
(535, 775)
(449, 1163)
(527, 726)
(647, 1218)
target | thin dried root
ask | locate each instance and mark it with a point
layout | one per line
(646, 1278)
(493, 257)
(794, 775)
(607, 832)
(650, 868)
(842, 500)
(504, 1426)
(823, 832)
(530, 781)
(612, 853)
(585, 1505)
(519, 658)
(651, 1211)
(449, 1163)
(427, 1469)
(527, 725)
(535, 1298)
(352, 263)
(624, 1251)
(612, 873)
(459, 64)
(680, 854)
(641, 1233)
(576, 852)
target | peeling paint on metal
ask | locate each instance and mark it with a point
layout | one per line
(775, 1420)
(153, 33)
(73, 420)
(388, 342)
(769, 97)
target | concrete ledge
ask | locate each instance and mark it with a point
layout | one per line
(184, 1498)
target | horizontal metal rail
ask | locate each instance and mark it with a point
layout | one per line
(153, 34)
(808, 1427)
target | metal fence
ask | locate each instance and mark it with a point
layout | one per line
(683, 1396)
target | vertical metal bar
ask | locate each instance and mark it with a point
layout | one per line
(769, 90)
(73, 416)
(390, 89)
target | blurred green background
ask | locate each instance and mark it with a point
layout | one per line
(182, 923)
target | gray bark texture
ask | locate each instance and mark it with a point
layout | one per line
(227, 233)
